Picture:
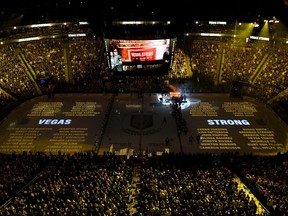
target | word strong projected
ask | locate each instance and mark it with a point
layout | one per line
(227, 122)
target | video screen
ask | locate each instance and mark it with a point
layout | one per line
(140, 57)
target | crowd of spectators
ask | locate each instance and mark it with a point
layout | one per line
(16, 171)
(14, 78)
(190, 185)
(267, 178)
(217, 64)
(180, 69)
(84, 66)
(177, 184)
(79, 184)
(46, 57)
(204, 55)
(240, 61)
(274, 77)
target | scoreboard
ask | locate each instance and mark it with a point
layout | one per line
(140, 57)
(139, 50)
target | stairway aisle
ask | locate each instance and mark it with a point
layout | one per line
(261, 210)
(134, 190)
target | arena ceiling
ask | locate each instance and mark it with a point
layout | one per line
(19, 12)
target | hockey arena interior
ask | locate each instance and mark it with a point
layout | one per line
(143, 116)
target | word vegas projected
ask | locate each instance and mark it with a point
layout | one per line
(54, 121)
(52, 126)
